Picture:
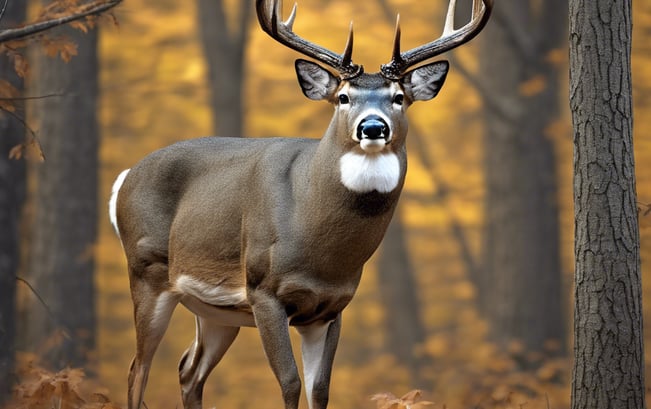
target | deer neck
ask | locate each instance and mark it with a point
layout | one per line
(342, 176)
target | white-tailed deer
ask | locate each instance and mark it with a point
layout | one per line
(274, 232)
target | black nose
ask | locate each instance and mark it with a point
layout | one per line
(372, 127)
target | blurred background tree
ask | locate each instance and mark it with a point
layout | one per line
(520, 69)
(60, 264)
(14, 39)
(12, 196)
(224, 37)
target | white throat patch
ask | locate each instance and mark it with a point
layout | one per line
(364, 173)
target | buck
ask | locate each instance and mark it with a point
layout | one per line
(274, 232)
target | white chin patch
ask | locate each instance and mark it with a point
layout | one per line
(372, 145)
(364, 173)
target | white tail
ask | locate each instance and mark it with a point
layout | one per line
(273, 232)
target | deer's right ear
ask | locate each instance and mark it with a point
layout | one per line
(316, 82)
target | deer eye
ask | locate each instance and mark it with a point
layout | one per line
(343, 99)
(398, 99)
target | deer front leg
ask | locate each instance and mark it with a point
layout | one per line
(319, 344)
(273, 325)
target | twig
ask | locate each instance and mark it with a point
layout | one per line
(47, 307)
(21, 120)
(31, 98)
(4, 8)
(92, 9)
(29, 129)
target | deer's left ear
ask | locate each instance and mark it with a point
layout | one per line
(316, 82)
(423, 83)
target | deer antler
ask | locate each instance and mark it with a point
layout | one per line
(270, 18)
(450, 39)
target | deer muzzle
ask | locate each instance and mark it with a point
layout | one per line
(373, 133)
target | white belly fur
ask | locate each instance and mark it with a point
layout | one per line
(215, 303)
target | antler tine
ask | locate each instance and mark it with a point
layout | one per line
(292, 16)
(270, 18)
(450, 39)
(347, 58)
(476, 8)
(449, 18)
(396, 41)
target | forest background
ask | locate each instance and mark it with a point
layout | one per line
(466, 340)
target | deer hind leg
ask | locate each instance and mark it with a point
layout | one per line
(318, 346)
(211, 343)
(152, 313)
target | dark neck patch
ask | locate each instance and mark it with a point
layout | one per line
(371, 204)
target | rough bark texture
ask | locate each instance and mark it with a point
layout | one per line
(608, 349)
(224, 52)
(12, 195)
(61, 259)
(520, 286)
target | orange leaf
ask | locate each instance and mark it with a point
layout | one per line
(17, 152)
(79, 25)
(21, 66)
(68, 50)
(7, 90)
(69, 397)
(412, 396)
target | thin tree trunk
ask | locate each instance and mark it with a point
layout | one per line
(520, 286)
(608, 349)
(12, 196)
(224, 53)
(61, 260)
(404, 327)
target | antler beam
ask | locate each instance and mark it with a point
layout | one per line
(451, 38)
(270, 18)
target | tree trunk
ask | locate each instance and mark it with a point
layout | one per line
(61, 260)
(608, 349)
(12, 195)
(224, 53)
(404, 326)
(520, 286)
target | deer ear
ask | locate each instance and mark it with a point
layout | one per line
(423, 83)
(316, 82)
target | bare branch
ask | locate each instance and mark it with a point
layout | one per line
(457, 230)
(33, 140)
(91, 9)
(491, 102)
(49, 311)
(519, 37)
(4, 8)
(31, 98)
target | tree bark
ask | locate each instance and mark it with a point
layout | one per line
(520, 286)
(12, 196)
(61, 259)
(224, 53)
(608, 349)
